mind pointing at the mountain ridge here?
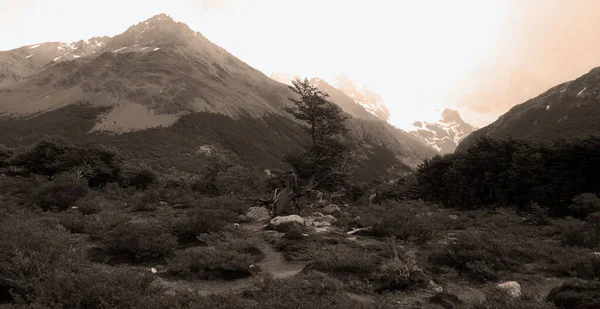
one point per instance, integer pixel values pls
(568, 110)
(147, 82)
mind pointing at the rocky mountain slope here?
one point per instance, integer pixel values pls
(170, 89)
(444, 135)
(568, 110)
(365, 96)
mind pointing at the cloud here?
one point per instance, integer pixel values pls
(542, 43)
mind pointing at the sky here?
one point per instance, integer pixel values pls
(480, 57)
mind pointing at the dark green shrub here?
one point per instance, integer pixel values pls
(138, 241)
(344, 260)
(578, 233)
(584, 204)
(60, 194)
(139, 176)
(576, 294)
(228, 254)
(31, 251)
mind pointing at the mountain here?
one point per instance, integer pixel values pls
(444, 135)
(17, 64)
(571, 109)
(342, 100)
(163, 93)
(365, 96)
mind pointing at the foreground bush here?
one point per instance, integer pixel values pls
(30, 251)
(344, 260)
(208, 215)
(138, 241)
(229, 254)
(578, 233)
(576, 295)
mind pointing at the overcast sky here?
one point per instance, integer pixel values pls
(478, 56)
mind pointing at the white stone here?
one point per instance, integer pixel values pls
(512, 288)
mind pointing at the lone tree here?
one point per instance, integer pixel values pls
(327, 159)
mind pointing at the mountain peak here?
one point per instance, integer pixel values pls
(159, 29)
(445, 134)
(450, 115)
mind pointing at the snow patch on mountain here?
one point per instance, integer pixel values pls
(445, 134)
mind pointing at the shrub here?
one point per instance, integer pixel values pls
(400, 273)
(228, 254)
(204, 218)
(138, 241)
(476, 256)
(585, 267)
(584, 204)
(576, 294)
(5, 154)
(94, 203)
(138, 176)
(31, 250)
(343, 260)
(96, 287)
(580, 233)
(407, 220)
(243, 182)
(60, 194)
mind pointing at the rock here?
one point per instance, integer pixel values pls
(282, 222)
(512, 288)
(435, 287)
(320, 221)
(453, 217)
(163, 203)
(331, 209)
(242, 219)
(596, 254)
(153, 270)
(258, 213)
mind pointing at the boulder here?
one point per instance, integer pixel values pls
(320, 220)
(258, 214)
(283, 222)
(453, 217)
(512, 288)
(331, 209)
(242, 219)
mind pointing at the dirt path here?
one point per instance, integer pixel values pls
(273, 264)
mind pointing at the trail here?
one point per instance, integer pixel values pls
(273, 264)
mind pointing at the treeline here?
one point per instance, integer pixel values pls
(515, 173)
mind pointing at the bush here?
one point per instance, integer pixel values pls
(60, 194)
(584, 204)
(5, 154)
(138, 176)
(580, 233)
(228, 254)
(138, 241)
(343, 260)
(30, 252)
(400, 274)
(209, 215)
(482, 256)
(408, 220)
(96, 287)
(585, 267)
(243, 182)
(576, 294)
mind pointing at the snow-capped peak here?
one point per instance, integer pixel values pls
(445, 134)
